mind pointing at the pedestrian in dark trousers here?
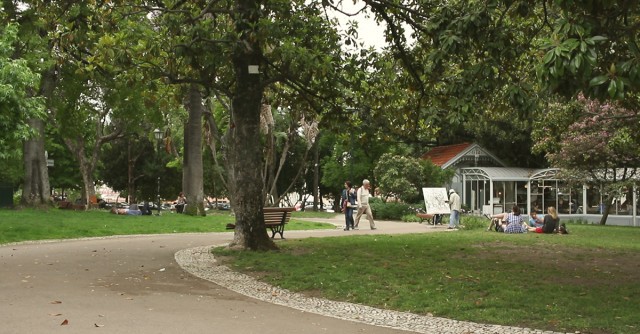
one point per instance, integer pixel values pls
(348, 202)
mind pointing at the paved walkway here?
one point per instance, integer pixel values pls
(134, 284)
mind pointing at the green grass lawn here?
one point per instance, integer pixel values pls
(586, 281)
(21, 225)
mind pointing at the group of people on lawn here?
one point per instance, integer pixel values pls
(512, 222)
(508, 222)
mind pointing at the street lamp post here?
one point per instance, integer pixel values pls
(353, 111)
(157, 133)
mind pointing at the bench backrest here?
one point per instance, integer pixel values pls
(274, 215)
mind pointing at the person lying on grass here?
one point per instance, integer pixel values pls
(133, 210)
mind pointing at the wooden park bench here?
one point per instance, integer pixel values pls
(424, 216)
(431, 219)
(274, 219)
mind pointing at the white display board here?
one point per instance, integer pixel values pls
(436, 200)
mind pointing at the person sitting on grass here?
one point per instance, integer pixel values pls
(180, 202)
(146, 209)
(536, 220)
(550, 224)
(514, 221)
(498, 222)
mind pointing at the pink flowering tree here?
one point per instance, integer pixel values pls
(600, 145)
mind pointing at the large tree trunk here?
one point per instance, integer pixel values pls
(192, 175)
(89, 185)
(36, 188)
(245, 154)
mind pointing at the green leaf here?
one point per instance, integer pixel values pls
(549, 57)
(558, 51)
(620, 84)
(599, 80)
(571, 44)
(598, 38)
(612, 88)
(583, 47)
(578, 61)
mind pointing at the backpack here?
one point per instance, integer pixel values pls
(563, 229)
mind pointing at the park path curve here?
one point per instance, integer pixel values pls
(134, 285)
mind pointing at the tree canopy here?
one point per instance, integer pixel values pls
(490, 71)
(17, 101)
(594, 142)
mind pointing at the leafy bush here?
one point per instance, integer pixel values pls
(411, 218)
(388, 211)
(473, 222)
(404, 176)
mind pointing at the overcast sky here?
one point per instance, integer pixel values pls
(369, 32)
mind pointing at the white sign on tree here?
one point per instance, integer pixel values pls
(436, 200)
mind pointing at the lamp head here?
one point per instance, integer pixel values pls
(157, 133)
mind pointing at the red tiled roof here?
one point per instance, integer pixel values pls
(442, 154)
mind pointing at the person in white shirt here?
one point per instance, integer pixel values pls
(363, 204)
(454, 202)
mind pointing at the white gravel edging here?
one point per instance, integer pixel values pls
(201, 263)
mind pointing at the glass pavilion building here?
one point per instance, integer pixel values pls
(495, 188)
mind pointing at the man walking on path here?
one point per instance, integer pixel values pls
(454, 202)
(363, 204)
